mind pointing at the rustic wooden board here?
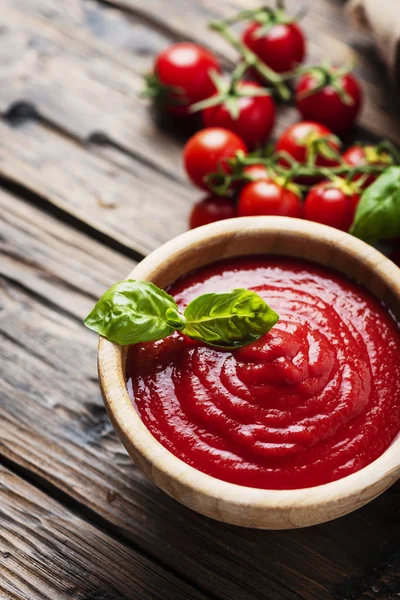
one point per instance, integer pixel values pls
(133, 204)
(61, 266)
(55, 426)
(79, 87)
(80, 65)
(49, 553)
(107, 29)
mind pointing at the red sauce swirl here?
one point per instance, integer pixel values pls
(315, 399)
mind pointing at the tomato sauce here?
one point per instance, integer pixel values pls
(314, 400)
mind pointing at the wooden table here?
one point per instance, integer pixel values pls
(89, 185)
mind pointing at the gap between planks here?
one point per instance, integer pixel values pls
(72, 504)
(93, 518)
(121, 198)
(49, 551)
(63, 216)
(51, 430)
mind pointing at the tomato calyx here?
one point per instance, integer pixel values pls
(220, 182)
(267, 17)
(373, 155)
(287, 184)
(348, 187)
(327, 76)
(251, 60)
(163, 96)
(316, 145)
(320, 145)
(385, 153)
(229, 92)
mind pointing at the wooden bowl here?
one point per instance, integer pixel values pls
(227, 502)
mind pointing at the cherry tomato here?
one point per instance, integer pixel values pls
(331, 204)
(210, 209)
(256, 172)
(208, 150)
(187, 67)
(282, 48)
(325, 96)
(366, 155)
(268, 198)
(255, 119)
(297, 140)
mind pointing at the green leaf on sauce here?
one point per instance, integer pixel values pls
(138, 311)
(378, 213)
(134, 311)
(230, 319)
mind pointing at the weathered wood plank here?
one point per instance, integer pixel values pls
(107, 29)
(55, 425)
(131, 203)
(54, 419)
(49, 553)
(52, 260)
(79, 87)
(329, 36)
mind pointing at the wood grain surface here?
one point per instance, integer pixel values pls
(86, 159)
(135, 205)
(48, 552)
(59, 432)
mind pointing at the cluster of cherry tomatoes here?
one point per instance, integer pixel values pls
(304, 175)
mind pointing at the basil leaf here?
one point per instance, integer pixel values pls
(378, 213)
(134, 311)
(230, 319)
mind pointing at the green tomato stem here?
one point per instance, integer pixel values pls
(252, 59)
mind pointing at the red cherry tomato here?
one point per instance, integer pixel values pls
(282, 48)
(329, 204)
(366, 155)
(256, 172)
(210, 209)
(208, 150)
(297, 140)
(255, 120)
(268, 198)
(327, 105)
(185, 66)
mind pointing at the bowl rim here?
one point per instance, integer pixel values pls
(174, 475)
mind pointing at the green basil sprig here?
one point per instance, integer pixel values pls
(378, 213)
(138, 311)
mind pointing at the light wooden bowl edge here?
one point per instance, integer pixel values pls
(249, 507)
